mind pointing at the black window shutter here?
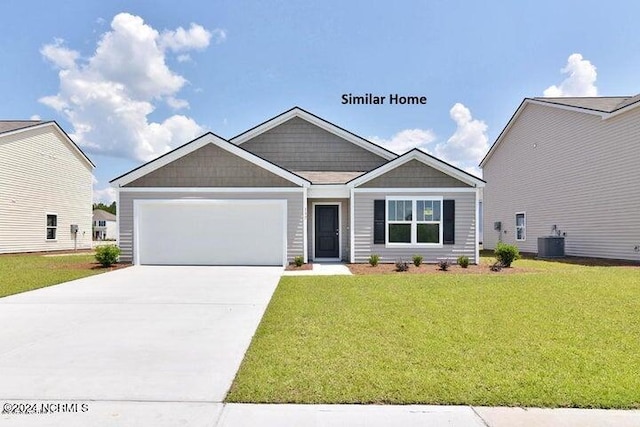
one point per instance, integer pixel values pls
(378, 221)
(448, 222)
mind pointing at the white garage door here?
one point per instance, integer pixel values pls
(210, 232)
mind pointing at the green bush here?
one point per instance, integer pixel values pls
(402, 265)
(417, 260)
(463, 261)
(506, 254)
(444, 265)
(374, 260)
(107, 255)
(298, 261)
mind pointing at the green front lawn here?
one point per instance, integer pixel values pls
(20, 273)
(555, 335)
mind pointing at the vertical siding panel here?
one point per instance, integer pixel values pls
(569, 169)
(39, 173)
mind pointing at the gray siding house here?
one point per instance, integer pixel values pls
(567, 166)
(295, 185)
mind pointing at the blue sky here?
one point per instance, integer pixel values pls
(129, 80)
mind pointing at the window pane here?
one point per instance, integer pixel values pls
(428, 233)
(519, 233)
(426, 211)
(399, 233)
(392, 210)
(520, 220)
(52, 220)
(408, 210)
(437, 209)
(51, 233)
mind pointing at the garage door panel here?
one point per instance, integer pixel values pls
(220, 232)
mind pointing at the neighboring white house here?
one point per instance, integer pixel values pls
(567, 166)
(104, 225)
(45, 189)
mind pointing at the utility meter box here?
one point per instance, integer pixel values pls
(497, 225)
(74, 228)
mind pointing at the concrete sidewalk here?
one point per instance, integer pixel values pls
(322, 269)
(237, 415)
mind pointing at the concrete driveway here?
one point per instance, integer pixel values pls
(140, 346)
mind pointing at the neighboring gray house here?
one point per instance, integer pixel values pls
(45, 189)
(104, 225)
(296, 185)
(571, 165)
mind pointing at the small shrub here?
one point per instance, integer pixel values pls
(298, 261)
(463, 261)
(374, 260)
(107, 255)
(417, 260)
(402, 265)
(506, 254)
(444, 265)
(496, 266)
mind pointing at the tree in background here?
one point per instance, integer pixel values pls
(109, 208)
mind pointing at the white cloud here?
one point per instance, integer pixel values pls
(580, 81)
(185, 57)
(176, 103)
(35, 117)
(59, 55)
(196, 37)
(406, 140)
(464, 149)
(106, 195)
(219, 35)
(109, 96)
(468, 144)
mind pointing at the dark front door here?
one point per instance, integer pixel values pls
(327, 231)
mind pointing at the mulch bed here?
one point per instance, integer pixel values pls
(89, 266)
(363, 269)
(292, 267)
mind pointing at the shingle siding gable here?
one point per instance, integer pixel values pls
(211, 166)
(298, 145)
(414, 174)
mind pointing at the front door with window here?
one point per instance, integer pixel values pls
(327, 231)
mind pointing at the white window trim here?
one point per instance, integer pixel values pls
(413, 222)
(47, 226)
(524, 226)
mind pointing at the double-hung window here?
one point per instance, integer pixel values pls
(414, 221)
(521, 226)
(52, 226)
(102, 223)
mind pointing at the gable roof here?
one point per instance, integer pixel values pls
(201, 141)
(102, 215)
(317, 121)
(12, 127)
(9, 125)
(329, 177)
(603, 106)
(421, 156)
